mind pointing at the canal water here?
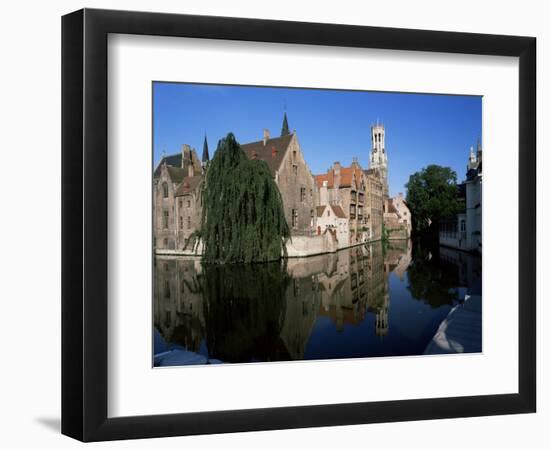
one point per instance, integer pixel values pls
(367, 301)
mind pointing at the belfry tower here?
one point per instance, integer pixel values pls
(378, 157)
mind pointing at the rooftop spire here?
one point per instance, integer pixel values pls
(284, 130)
(205, 154)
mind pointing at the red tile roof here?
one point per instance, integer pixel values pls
(188, 185)
(346, 177)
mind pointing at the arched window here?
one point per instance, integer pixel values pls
(165, 189)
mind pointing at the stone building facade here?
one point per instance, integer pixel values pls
(293, 177)
(331, 218)
(378, 157)
(353, 196)
(188, 200)
(463, 231)
(164, 206)
(177, 208)
(374, 203)
(358, 193)
(397, 217)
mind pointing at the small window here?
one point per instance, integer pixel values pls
(180, 203)
(294, 218)
(181, 223)
(295, 169)
(303, 194)
(165, 189)
(189, 203)
(165, 218)
(188, 222)
(165, 241)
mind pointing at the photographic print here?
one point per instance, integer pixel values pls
(310, 224)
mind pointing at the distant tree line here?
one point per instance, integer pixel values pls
(432, 195)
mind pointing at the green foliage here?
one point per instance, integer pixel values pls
(385, 234)
(243, 218)
(432, 196)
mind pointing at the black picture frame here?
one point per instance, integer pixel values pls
(84, 224)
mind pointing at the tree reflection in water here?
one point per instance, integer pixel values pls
(327, 306)
(437, 272)
(244, 310)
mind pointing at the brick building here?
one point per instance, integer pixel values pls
(359, 194)
(176, 204)
(397, 217)
(293, 177)
(374, 202)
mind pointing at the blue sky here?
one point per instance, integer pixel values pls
(332, 125)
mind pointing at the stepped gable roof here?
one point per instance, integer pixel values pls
(272, 152)
(188, 185)
(392, 208)
(346, 177)
(170, 160)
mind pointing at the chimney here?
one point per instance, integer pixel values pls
(186, 150)
(191, 170)
(323, 193)
(336, 173)
(266, 135)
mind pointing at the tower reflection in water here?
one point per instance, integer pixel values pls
(328, 306)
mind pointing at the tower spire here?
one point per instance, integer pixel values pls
(205, 154)
(378, 157)
(284, 130)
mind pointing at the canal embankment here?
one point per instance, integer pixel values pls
(460, 332)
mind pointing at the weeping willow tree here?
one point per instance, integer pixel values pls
(243, 218)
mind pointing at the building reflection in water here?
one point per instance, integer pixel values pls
(269, 312)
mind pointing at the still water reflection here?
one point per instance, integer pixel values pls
(359, 302)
